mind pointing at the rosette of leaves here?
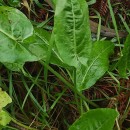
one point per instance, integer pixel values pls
(70, 45)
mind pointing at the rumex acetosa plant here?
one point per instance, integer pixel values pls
(69, 46)
(71, 39)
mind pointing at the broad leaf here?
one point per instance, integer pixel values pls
(38, 45)
(98, 119)
(4, 118)
(4, 99)
(71, 31)
(14, 28)
(124, 62)
(98, 64)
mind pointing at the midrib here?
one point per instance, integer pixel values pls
(93, 63)
(11, 37)
(74, 33)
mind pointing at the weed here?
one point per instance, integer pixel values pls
(55, 70)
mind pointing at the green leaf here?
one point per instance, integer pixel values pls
(4, 118)
(14, 28)
(38, 45)
(98, 119)
(71, 33)
(4, 99)
(97, 65)
(124, 62)
(14, 3)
